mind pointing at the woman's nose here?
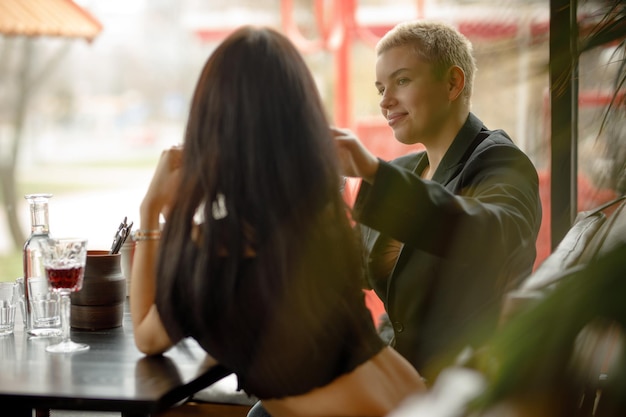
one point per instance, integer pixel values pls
(386, 101)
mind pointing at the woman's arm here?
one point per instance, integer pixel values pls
(150, 335)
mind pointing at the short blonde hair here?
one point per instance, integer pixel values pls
(437, 43)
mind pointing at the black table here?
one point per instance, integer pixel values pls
(111, 376)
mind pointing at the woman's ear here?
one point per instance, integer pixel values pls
(456, 82)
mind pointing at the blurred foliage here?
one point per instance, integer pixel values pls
(531, 357)
(610, 29)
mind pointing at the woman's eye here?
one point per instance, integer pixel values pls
(381, 91)
(403, 81)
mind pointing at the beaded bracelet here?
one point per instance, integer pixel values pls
(151, 234)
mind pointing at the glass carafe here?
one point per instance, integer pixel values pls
(33, 266)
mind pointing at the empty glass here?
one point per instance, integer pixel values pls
(9, 298)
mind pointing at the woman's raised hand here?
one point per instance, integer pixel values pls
(165, 182)
(355, 159)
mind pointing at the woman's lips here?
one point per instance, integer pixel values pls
(394, 118)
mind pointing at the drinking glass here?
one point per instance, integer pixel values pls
(64, 262)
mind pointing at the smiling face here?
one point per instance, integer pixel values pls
(416, 104)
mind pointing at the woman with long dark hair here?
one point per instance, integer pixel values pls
(258, 261)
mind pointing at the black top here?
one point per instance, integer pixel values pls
(318, 331)
(467, 236)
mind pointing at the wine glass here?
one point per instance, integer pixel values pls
(64, 262)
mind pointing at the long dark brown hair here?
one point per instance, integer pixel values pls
(260, 164)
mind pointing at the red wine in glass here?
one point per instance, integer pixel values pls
(70, 278)
(64, 261)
